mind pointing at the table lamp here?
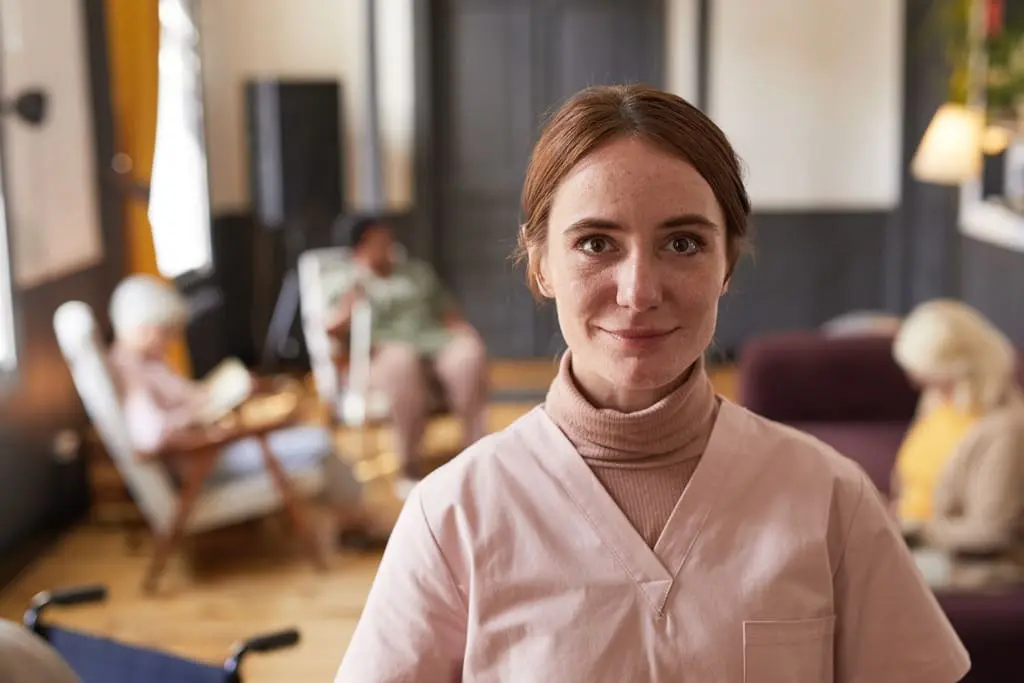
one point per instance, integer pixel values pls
(950, 152)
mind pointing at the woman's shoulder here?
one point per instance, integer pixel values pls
(1005, 421)
(789, 454)
(494, 452)
(468, 486)
(26, 657)
(1013, 410)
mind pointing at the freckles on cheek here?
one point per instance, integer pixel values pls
(698, 285)
(589, 288)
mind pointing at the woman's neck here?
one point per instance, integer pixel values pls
(676, 424)
(603, 394)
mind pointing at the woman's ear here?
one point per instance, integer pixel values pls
(725, 287)
(539, 266)
(542, 284)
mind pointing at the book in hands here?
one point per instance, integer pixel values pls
(226, 387)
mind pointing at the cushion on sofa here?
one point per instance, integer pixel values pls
(805, 376)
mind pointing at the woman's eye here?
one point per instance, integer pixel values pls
(684, 245)
(595, 245)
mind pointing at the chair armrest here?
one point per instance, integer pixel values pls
(78, 595)
(359, 358)
(201, 439)
(196, 441)
(265, 643)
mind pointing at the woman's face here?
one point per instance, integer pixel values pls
(636, 262)
(377, 248)
(152, 341)
(944, 387)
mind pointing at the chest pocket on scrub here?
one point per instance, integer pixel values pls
(788, 651)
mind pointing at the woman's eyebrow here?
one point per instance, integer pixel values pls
(682, 220)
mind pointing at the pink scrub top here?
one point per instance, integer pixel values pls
(780, 563)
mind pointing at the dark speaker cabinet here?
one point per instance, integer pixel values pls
(297, 179)
(234, 257)
(296, 158)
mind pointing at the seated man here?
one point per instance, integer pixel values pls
(159, 404)
(418, 338)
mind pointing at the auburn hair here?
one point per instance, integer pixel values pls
(595, 116)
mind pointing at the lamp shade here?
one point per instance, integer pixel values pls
(996, 139)
(950, 152)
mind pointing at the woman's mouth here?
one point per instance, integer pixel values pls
(639, 338)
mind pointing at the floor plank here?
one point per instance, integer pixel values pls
(245, 580)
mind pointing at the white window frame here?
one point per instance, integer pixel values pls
(8, 326)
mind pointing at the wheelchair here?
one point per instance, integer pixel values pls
(103, 660)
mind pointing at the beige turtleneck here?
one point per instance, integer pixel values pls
(643, 459)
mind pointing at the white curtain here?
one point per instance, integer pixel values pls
(179, 201)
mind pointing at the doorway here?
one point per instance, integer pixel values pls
(499, 67)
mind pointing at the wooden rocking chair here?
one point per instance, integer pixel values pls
(196, 505)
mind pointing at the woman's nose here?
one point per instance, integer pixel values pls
(639, 283)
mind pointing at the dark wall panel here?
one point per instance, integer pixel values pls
(992, 280)
(500, 68)
(805, 269)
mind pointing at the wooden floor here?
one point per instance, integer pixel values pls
(245, 580)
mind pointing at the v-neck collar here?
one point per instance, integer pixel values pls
(654, 570)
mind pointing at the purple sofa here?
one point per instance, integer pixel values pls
(849, 392)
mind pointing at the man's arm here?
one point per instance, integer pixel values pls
(340, 316)
(443, 301)
(452, 317)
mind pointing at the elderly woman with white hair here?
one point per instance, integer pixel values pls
(147, 315)
(959, 477)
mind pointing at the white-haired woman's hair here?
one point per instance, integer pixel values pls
(948, 341)
(145, 300)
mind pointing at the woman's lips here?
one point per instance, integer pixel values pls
(639, 337)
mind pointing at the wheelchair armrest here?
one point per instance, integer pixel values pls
(78, 595)
(267, 642)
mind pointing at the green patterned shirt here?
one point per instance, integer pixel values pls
(408, 305)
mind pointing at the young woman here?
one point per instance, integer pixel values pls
(637, 526)
(959, 477)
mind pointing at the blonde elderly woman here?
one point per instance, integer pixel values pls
(147, 314)
(959, 476)
(27, 658)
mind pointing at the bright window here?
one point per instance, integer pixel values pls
(179, 198)
(8, 350)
